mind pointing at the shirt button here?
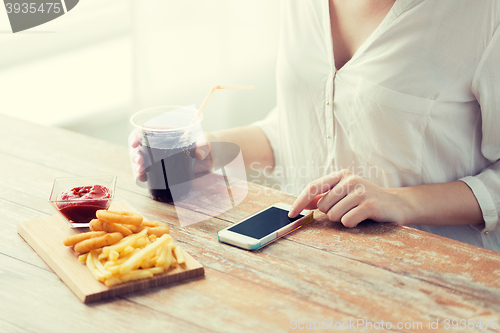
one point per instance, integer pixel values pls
(327, 103)
(486, 233)
(329, 136)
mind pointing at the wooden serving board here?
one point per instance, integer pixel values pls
(46, 235)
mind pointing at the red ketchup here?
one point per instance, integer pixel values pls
(80, 203)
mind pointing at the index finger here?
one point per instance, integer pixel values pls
(202, 147)
(135, 138)
(319, 186)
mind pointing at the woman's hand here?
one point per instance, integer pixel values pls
(350, 199)
(139, 158)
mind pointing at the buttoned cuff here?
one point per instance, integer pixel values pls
(486, 203)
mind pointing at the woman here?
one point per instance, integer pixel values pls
(387, 110)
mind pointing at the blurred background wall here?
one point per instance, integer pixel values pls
(75, 71)
(90, 69)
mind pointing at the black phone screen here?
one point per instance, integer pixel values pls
(264, 223)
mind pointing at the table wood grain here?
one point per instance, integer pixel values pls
(321, 273)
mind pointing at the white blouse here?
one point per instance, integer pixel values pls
(418, 103)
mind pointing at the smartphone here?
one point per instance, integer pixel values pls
(264, 227)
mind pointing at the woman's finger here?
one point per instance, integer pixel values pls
(345, 205)
(202, 152)
(355, 216)
(346, 185)
(314, 203)
(333, 196)
(202, 148)
(135, 138)
(319, 186)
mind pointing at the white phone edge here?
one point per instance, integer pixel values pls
(250, 243)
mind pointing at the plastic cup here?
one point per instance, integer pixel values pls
(167, 142)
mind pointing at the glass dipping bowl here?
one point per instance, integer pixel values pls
(78, 212)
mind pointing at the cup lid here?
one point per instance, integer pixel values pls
(166, 118)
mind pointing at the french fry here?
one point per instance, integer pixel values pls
(179, 256)
(128, 249)
(99, 265)
(83, 257)
(113, 255)
(124, 243)
(163, 256)
(95, 225)
(136, 275)
(93, 269)
(158, 231)
(134, 228)
(124, 258)
(113, 281)
(114, 269)
(152, 224)
(155, 270)
(170, 257)
(149, 251)
(141, 242)
(110, 216)
(113, 227)
(75, 239)
(157, 255)
(137, 258)
(108, 264)
(146, 263)
(98, 242)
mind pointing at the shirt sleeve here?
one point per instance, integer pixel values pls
(271, 127)
(485, 86)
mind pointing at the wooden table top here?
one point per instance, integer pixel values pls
(323, 274)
